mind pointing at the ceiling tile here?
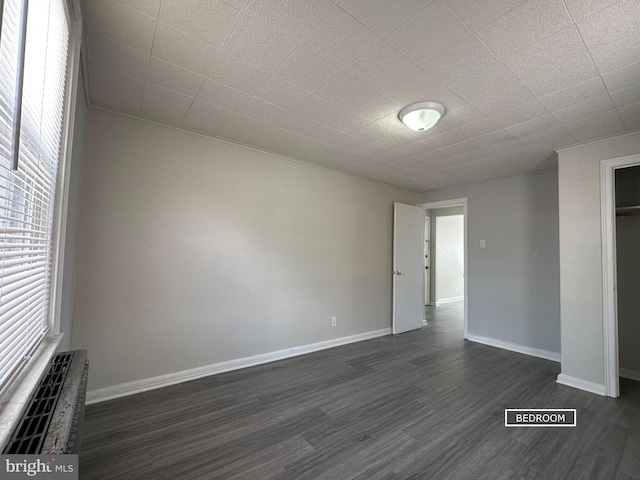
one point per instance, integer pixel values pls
(106, 54)
(171, 76)
(581, 9)
(307, 70)
(547, 147)
(574, 94)
(597, 126)
(622, 78)
(196, 17)
(371, 132)
(609, 33)
(519, 114)
(238, 4)
(477, 142)
(630, 115)
(120, 23)
(481, 127)
(358, 97)
(464, 59)
(535, 126)
(205, 117)
(237, 136)
(322, 81)
(277, 136)
(383, 16)
(237, 74)
(380, 66)
(158, 113)
(525, 26)
(327, 113)
(478, 13)
(148, 7)
(440, 140)
(221, 95)
(116, 91)
(391, 123)
(557, 62)
(183, 50)
(459, 117)
(166, 98)
(430, 143)
(269, 31)
(542, 140)
(245, 123)
(417, 85)
(340, 39)
(331, 136)
(294, 122)
(593, 106)
(626, 96)
(278, 91)
(261, 110)
(428, 33)
(505, 93)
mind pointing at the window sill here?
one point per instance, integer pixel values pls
(15, 399)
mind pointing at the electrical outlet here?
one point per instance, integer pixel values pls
(334, 321)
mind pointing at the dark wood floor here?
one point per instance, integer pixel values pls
(421, 405)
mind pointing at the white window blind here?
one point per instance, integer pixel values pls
(27, 195)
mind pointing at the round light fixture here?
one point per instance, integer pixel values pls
(421, 116)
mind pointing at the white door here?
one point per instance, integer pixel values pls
(408, 267)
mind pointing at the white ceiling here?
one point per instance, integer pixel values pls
(323, 81)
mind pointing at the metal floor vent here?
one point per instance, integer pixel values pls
(52, 422)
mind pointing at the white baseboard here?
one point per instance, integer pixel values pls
(514, 347)
(581, 384)
(630, 374)
(138, 386)
(449, 300)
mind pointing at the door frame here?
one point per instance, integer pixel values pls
(427, 262)
(609, 276)
(456, 202)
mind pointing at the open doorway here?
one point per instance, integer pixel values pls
(446, 256)
(620, 201)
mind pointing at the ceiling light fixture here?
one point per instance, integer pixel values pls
(421, 116)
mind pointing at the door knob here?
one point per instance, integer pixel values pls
(396, 272)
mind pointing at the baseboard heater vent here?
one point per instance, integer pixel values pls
(52, 422)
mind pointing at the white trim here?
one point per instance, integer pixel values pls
(453, 203)
(609, 276)
(138, 386)
(593, 142)
(64, 172)
(514, 347)
(630, 374)
(450, 300)
(581, 384)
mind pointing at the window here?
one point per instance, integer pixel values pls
(32, 108)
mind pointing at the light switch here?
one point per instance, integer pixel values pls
(483, 244)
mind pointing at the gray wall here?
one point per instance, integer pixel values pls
(433, 268)
(628, 270)
(73, 205)
(513, 282)
(581, 254)
(193, 252)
